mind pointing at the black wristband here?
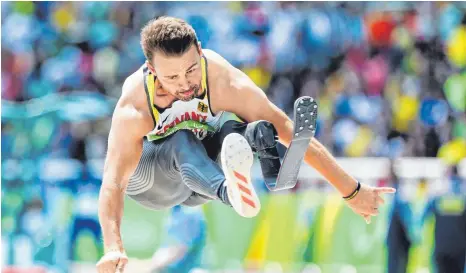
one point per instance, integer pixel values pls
(354, 193)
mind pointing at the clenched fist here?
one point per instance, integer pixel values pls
(112, 262)
(367, 201)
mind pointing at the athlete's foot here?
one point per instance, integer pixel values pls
(237, 159)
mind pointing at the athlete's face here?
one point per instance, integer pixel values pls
(181, 76)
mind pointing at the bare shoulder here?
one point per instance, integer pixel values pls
(235, 92)
(219, 66)
(225, 72)
(132, 86)
(225, 80)
(214, 57)
(132, 111)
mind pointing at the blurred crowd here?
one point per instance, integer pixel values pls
(390, 79)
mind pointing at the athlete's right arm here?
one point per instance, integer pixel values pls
(124, 151)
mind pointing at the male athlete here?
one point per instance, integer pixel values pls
(171, 125)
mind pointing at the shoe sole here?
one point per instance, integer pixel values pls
(237, 159)
(305, 121)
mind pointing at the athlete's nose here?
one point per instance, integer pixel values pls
(184, 84)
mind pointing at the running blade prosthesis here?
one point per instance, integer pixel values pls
(305, 119)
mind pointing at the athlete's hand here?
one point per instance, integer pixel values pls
(112, 262)
(366, 203)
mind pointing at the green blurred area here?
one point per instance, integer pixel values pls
(292, 229)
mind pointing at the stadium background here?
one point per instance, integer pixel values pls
(389, 77)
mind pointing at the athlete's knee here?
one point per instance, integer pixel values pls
(261, 135)
(204, 178)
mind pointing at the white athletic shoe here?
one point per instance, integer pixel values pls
(237, 159)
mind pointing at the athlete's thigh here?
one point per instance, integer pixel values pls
(156, 183)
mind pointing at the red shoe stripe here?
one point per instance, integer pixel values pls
(240, 177)
(248, 201)
(244, 189)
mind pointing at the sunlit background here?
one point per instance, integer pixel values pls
(390, 81)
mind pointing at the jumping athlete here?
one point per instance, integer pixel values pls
(184, 131)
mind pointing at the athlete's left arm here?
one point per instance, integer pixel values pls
(247, 100)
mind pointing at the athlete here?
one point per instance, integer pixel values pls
(449, 212)
(183, 111)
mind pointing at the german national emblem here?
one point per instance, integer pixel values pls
(202, 107)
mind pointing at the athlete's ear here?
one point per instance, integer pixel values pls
(151, 68)
(199, 48)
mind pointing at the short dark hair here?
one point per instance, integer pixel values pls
(170, 35)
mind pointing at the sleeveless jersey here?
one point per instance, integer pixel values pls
(195, 115)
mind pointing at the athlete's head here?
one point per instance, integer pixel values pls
(173, 54)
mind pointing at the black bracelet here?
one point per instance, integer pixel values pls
(354, 193)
